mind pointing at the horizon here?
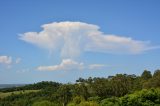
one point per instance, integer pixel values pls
(73, 82)
(62, 41)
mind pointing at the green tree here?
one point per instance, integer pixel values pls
(154, 81)
(64, 94)
(142, 98)
(121, 84)
(156, 73)
(113, 101)
(101, 87)
(146, 75)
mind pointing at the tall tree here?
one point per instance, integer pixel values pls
(156, 73)
(64, 94)
(146, 75)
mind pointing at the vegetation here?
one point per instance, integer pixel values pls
(118, 90)
(5, 94)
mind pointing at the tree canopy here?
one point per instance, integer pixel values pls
(118, 90)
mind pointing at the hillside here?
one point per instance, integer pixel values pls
(118, 90)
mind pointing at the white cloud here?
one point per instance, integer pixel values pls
(73, 38)
(96, 66)
(8, 61)
(69, 64)
(18, 60)
(66, 64)
(5, 60)
(23, 70)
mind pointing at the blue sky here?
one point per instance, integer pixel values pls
(103, 38)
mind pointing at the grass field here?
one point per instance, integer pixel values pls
(2, 95)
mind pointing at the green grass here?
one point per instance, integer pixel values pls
(3, 95)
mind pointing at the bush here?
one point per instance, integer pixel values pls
(86, 103)
(95, 99)
(145, 97)
(114, 101)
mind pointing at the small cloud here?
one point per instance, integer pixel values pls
(69, 64)
(18, 60)
(23, 70)
(96, 66)
(66, 64)
(7, 60)
(73, 38)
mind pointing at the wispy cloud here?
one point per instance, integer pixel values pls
(18, 60)
(23, 70)
(96, 66)
(69, 64)
(74, 38)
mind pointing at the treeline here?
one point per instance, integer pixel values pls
(118, 90)
(35, 86)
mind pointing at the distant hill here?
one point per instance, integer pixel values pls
(10, 85)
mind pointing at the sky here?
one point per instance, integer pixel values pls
(62, 40)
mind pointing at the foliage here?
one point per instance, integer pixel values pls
(3, 95)
(144, 97)
(118, 90)
(113, 101)
(44, 103)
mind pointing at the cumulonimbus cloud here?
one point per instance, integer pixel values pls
(73, 38)
(69, 64)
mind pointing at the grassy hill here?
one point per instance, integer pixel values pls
(3, 95)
